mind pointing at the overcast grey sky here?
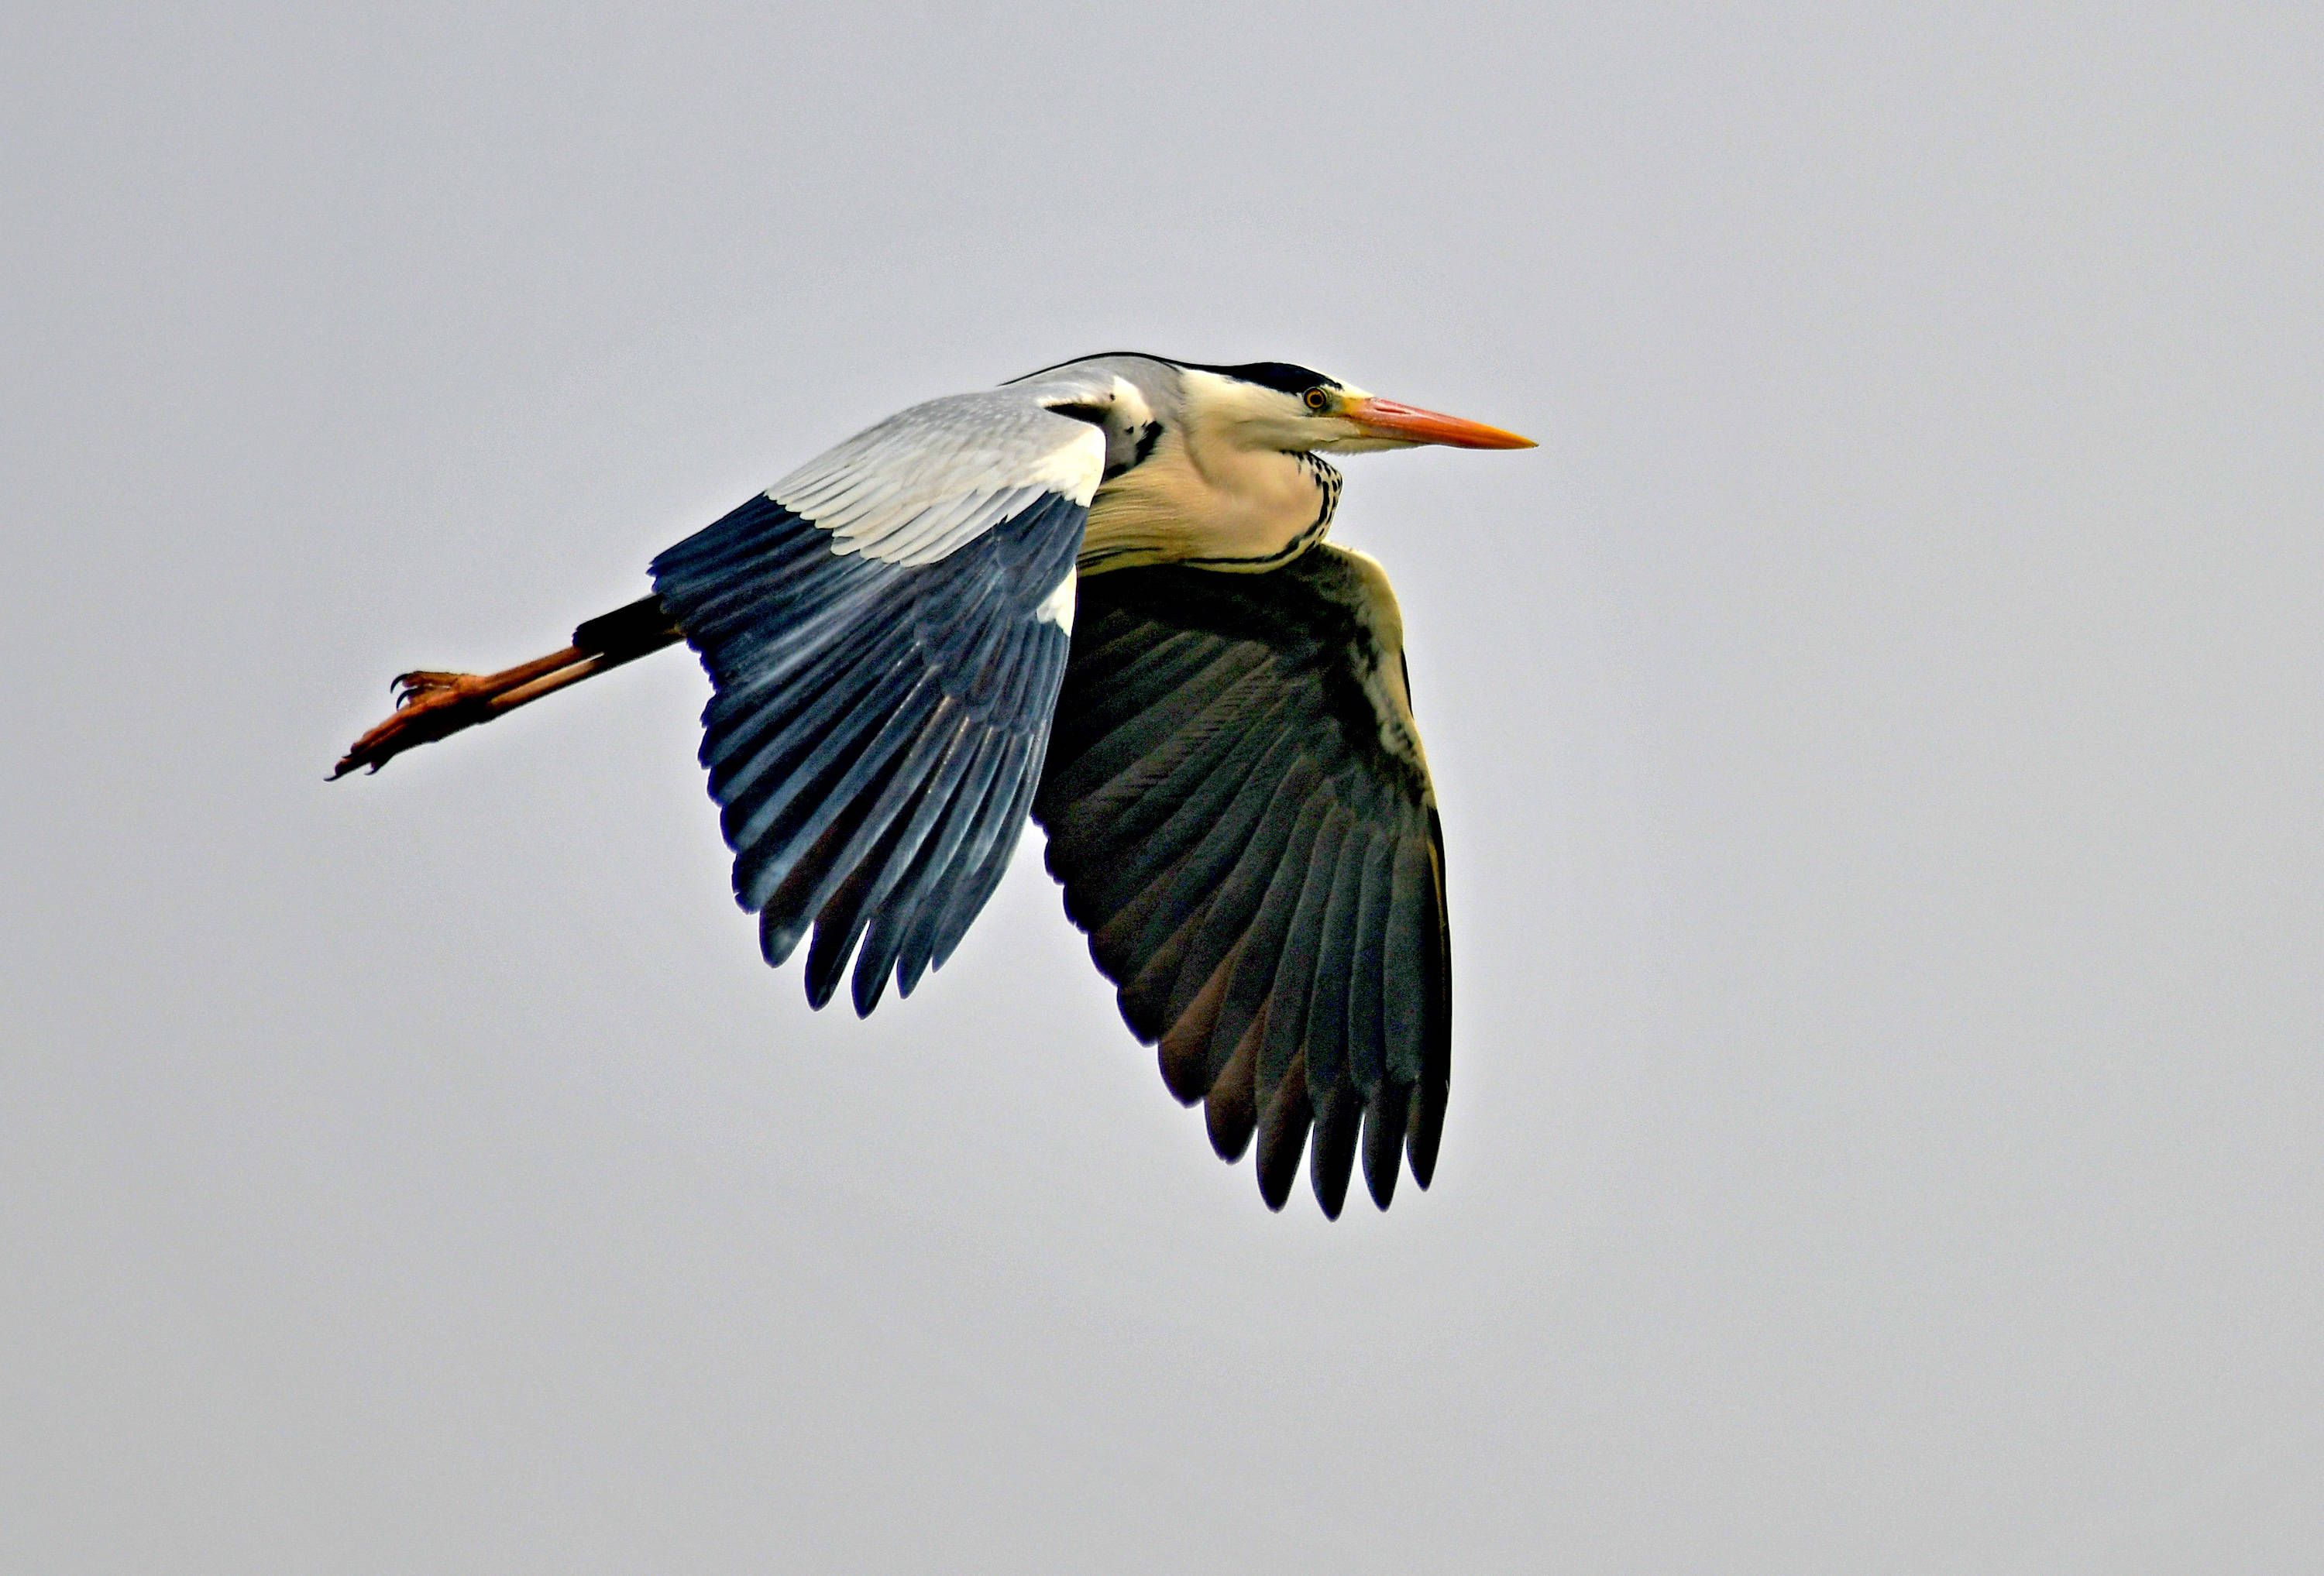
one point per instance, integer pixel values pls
(1879, 735)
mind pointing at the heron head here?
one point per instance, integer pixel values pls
(1275, 405)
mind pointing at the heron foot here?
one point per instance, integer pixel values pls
(429, 705)
(423, 682)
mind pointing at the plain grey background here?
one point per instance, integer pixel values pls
(1878, 729)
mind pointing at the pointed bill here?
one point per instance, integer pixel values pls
(1410, 424)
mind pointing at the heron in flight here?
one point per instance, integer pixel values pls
(1099, 594)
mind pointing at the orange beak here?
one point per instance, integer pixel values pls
(1387, 418)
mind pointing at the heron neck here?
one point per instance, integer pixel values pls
(1248, 510)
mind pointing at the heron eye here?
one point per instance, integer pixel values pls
(1318, 400)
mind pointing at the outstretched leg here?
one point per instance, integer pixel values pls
(430, 706)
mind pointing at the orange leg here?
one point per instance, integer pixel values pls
(430, 706)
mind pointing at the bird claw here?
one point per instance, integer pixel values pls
(432, 704)
(429, 705)
(425, 685)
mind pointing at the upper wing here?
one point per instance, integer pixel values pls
(884, 630)
(1237, 802)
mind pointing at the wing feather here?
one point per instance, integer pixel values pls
(1291, 990)
(1162, 821)
(1231, 1110)
(1178, 693)
(884, 932)
(1366, 1057)
(1241, 853)
(1335, 962)
(1251, 992)
(1332, 1152)
(881, 634)
(915, 945)
(1236, 805)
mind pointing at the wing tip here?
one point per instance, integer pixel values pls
(1332, 1152)
(1425, 1132)
(1283, 1134)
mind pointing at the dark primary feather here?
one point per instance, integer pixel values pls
(877, 729)
(1259, 867)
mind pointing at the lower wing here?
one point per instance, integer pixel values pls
(1238, 806)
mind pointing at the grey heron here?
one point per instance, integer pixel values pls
(1100, 595)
